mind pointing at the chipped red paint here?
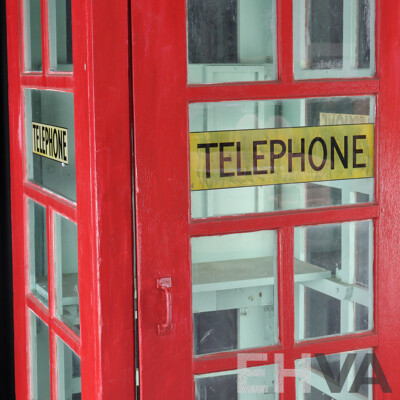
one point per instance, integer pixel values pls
(103, 210)
(161, 99)
(103, 93)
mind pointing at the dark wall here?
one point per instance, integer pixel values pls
(6, 322)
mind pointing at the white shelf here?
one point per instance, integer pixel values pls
(70, 291)
(245, 273)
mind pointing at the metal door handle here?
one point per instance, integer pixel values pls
(165, 285)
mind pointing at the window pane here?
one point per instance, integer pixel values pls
(334, 38)
(340, 299)
(38, 282)
(60, 35)
(66, 263)
(234, 291)
(251, 193)
(251, 383)
(325, 380)
(50, 140)
(68, 373)
(40, 359)
(231, 40)
(33, 35)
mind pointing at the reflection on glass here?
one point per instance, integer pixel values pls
(243, 384)
(40, 359)
(33, 35)
(340, 299)
(68, 373)
(66, 277)
(231, 40)
(327, 384)
(234, 291)
(60, 35)
(38, 282)
(54, 109)
(334, 38)
(252, 115)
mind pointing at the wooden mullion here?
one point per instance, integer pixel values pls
(285, 90)
(50, 260)
(20, 27)
(53, 365)
(59, 204)
(286, 305)
(67, 335)
(51, 293)
(286, 286)
(45, 38)
(38, 308)
(285, 41)
(229, 360)
(254, 222)
(337, 344)
(59, 81)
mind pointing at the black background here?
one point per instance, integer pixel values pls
(6, 321)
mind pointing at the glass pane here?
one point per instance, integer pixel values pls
(60, 35)
(244, 384)
(38, 282)
(327, 384)
(32, 35)
(68, 373)
(334, 38)
(270, 119)
(66, 263)
(40, 359)
(338, 299)
(231, 40)
(50, 140)
(234, 291)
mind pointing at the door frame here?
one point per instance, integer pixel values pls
(103, 210)
(162, 194)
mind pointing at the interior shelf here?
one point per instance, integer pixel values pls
(250, 272)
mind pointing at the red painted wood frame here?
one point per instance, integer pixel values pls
(162, 192)
(103, 211)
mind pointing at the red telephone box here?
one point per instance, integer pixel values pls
(204, 199)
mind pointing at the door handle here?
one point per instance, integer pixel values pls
(165, 285)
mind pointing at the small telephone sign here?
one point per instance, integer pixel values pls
(50, 141)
